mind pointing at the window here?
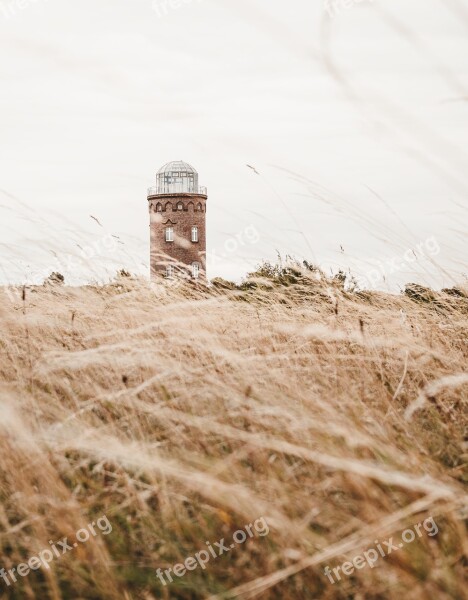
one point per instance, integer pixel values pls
(199, 207)
(169, 271)
(158, 208)
(180, 206)
(194, 234)
(195, 270)
(169, 234)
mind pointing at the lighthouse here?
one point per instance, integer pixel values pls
(177, 207)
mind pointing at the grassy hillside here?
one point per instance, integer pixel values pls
(185, 414)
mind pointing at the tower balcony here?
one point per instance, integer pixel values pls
(176, 188)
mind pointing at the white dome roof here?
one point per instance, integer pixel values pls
(177, 166)
(177, 177)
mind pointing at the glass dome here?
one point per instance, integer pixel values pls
(177, 177)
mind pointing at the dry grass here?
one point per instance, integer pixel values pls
(184, 414)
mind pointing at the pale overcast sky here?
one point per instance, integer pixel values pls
(355, 117)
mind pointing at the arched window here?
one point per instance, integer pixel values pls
(169, 234)
(158, 207)
(169, 270)
(199, 207)
(194, 234)
(195, 270)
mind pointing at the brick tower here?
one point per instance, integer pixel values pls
(177, 207)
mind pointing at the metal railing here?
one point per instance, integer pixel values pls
(174, 188)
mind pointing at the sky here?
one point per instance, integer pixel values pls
(354, 115)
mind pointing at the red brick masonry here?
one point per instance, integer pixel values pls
(165, 212)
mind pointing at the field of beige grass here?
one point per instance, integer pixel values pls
(185, 414)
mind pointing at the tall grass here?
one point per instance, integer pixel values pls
(184, 413)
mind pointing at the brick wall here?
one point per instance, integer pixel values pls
(164, 212)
